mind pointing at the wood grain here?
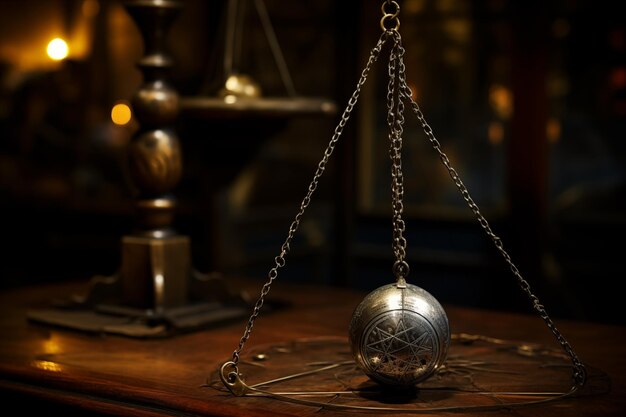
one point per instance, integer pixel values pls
(43, 368)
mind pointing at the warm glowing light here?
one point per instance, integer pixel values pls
(51, 346)
(57, 49)
(501, 100)
(121, 114)
(232, 83)
(553, 130)
(230, 99)
(46, 366)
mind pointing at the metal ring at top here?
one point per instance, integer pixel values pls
(390, 20)
(394, 4)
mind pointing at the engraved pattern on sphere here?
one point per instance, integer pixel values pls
(399, 345)
(399, 336)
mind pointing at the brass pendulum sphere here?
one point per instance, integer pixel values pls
(399, 334)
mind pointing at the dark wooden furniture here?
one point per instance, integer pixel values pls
(45, 369)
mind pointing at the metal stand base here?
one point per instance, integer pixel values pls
(155, 294)
(95, 313)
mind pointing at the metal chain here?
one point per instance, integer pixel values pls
(579, 368)
(398, 88)
(390, 21)
(321, 167)
(395, 120)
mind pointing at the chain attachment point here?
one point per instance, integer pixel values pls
(401, 270)
(390, 21)
(231, 378)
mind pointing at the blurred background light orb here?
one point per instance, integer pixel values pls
(121, 114)
(57, 49)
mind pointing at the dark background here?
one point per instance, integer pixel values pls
(527, 98)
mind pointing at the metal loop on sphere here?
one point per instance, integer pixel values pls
(401, 269)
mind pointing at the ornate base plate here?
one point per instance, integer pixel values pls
(479, 373)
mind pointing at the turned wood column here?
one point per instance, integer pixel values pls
(156, 261)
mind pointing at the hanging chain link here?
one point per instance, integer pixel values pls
(321, 167)
(391, 11)
(395, 120)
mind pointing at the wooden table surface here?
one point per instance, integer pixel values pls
(43, 368)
